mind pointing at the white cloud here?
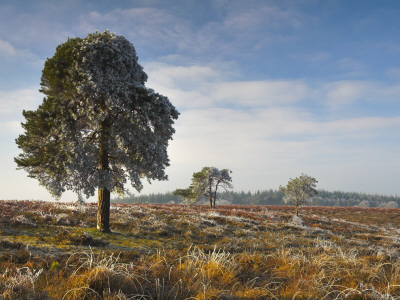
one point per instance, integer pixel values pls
(355, 126)
(259, 93)
(275, 136)
(182, 77)
(205, 90)
(33, 29)
(12, 54)
(197, 86)
(204, 86)
(6, 48)
(145, 26)
(11, 127)
(265, 148)
(267, 16)
(342, 93)
(13, 102)
(236, 27)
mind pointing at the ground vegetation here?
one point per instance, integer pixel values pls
(53, 251)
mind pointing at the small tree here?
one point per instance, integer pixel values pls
(205, 184)
(99, 125)
(299, 190)
(188, 195)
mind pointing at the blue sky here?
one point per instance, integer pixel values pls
(268, 89)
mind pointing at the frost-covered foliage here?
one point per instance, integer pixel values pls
(19, 284)
(205, 184)
(96, 106)
(297, 221)
(299, 190)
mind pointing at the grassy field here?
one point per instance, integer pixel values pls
(53, 251)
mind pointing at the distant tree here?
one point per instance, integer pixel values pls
(150, 198)
(364, 203)
(98, 125)
(390, 204)
(299, 190)
(206, 183)
(188, 195)
(80, 199)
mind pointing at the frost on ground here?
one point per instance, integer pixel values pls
(179, 252)
(297, 221)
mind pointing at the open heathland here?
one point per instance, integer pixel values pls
(53, 251)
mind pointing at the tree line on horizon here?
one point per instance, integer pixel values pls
(275, 197)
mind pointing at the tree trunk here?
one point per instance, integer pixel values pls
(297, 210)
(210, 195)
(103, 200)
(215, 194)
(103, 210)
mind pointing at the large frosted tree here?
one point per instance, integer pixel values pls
(99, 126)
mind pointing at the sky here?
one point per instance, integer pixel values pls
(269, 89)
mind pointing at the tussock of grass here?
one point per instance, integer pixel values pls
(19, 284)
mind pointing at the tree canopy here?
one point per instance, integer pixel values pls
(299, 190)
(205, 184)
(99, 126)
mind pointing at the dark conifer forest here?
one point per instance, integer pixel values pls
(274, 197)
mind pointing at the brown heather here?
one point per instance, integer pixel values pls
(53, 251)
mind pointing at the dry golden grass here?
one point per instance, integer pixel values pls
(53, 251)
